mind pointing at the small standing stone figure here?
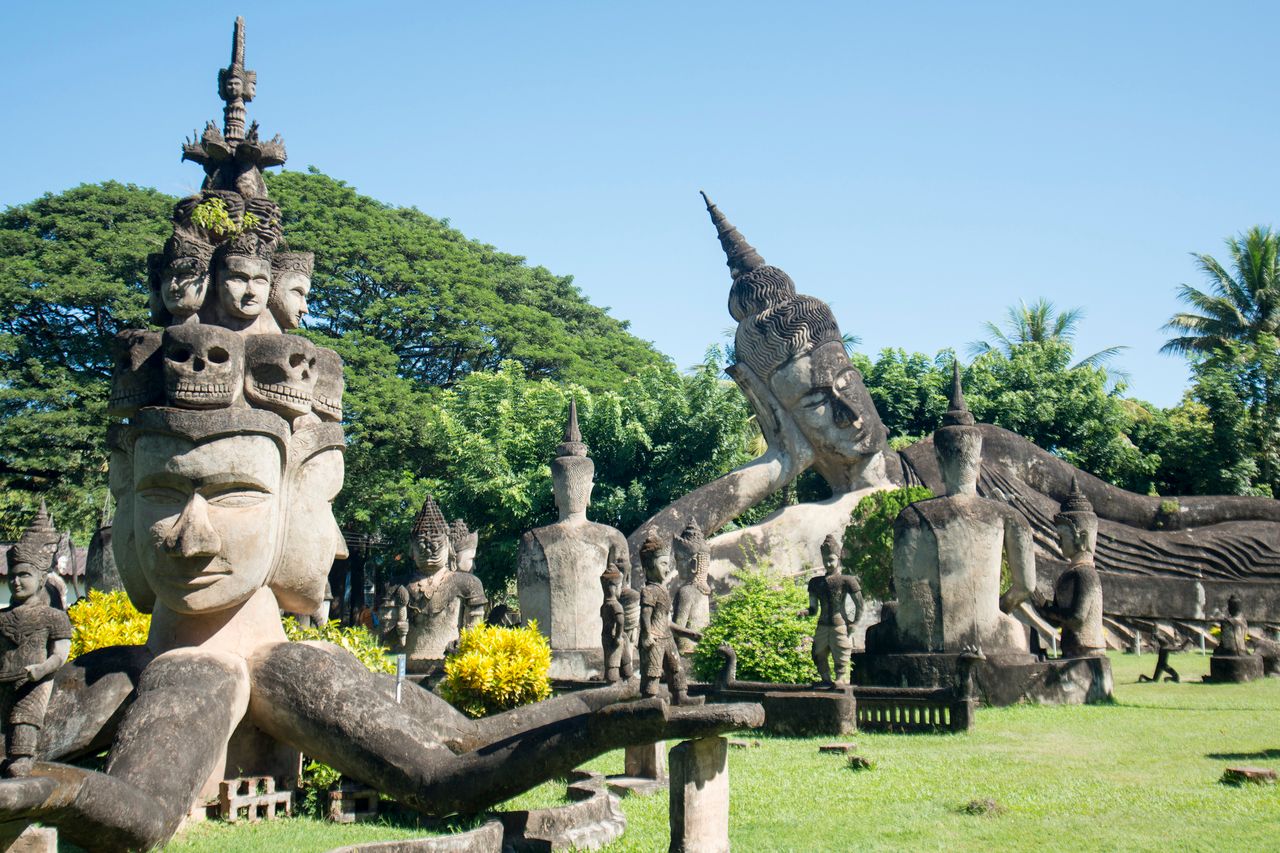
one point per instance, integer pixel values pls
(1077, 596)
(1235, 629)
(659, 658)
(613, 634)
(35, 640)
(693, 598)
(630, 599)
(829, 597)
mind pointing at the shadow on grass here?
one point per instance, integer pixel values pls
(1243, 756)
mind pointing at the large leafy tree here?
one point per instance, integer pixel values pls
(72, 274)
(1230, 335)
(444, 304)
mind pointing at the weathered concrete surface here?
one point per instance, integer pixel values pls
(699, 786)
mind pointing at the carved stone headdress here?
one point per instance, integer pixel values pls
(775, 324)
(653, 546)
(692, 543)
(1076, 509)
(429, 522)
(571, 462)
(832, 544)
(37, 545)
(958, 423)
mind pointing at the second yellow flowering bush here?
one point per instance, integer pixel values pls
(496, 669)
(103, 619)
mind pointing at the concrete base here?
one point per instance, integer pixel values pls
(34, 839)
(645, 770)
(819, 712)
(699, 812)
(1233, 668)
(1000, 679)
(577, 664)
(590, 822)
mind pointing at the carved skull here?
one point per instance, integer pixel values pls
(281, 374)
(202, 366)
(135, 381)
(327, 399)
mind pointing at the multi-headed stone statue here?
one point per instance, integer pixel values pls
(1077, 595)
(224, 474)
(35, 640)
(693, 596)
(614, 640)
(437, 603)
(659, 657)
(830, 595)
(558, 567)
(947, 553)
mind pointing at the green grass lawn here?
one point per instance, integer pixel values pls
(1140, 774)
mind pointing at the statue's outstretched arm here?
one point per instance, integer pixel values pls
(725, 498)
(167, 746)
(90, 696)
(1020, 551)
(322, 701)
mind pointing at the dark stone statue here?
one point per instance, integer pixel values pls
(829, 597)
(1232, 660)
(613, 633)
(1077, 599)
(35, 640)
(659, 657)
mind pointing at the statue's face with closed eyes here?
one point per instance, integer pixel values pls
(205, 517)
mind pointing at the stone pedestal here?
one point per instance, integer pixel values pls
(809, 713)
(1001, 679)
(699, 790)
(645, 770)
(1235, 667)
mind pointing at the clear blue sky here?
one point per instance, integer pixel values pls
(919, 166)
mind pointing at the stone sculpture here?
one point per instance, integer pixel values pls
(1077, 599)
(1232, 660)
(659, 657)
(290, 284)
(829, 597)
(558, 566)
(224, 517)
(947, 553)
(693, 597)
(616, 644)
(437, 602)
(462, 546)
(814, 412)
(35, 640)
(1154, 563)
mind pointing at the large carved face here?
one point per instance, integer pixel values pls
(183, 286)
(205, 517)
(24, 581)
(312, 538)
(244, 283)
(288, 300)
(430, 553)
(830, 405)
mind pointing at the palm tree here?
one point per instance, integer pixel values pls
(1236, 309)
(1039, 322)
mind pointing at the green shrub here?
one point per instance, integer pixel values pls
(760, 619)
(317, 781)
(868, 540)
(358, 640)
(496, 669)
(103, 619)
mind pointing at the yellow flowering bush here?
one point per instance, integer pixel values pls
(103, 619)
(496, 669)
(358, 640)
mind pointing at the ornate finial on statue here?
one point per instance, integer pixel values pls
(37, 544)
(1076, 501)
(236, 86)
(430, 520)
(572, 445)
(741, 256)
(958, 413)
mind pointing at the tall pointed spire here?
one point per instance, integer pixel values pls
(38, 543)
(958, 413)
(236, 86)
(430, 520)
(741, 256)
(1076, 500)
(572, 445)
